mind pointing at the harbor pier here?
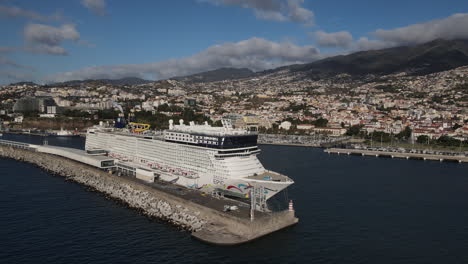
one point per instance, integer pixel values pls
(401, 155)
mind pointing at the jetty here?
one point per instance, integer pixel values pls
(401, 155)
(201, 214)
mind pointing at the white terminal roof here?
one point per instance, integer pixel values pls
(74, 154)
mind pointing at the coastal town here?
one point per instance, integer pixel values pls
(418, 108)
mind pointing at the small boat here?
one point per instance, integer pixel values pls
(64, 133)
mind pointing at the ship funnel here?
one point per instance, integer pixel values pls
(171, 124)
(181, 122)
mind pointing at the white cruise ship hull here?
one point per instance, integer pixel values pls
(234, 171)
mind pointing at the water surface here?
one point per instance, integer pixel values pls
(352, 209)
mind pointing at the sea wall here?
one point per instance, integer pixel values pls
(151, 202)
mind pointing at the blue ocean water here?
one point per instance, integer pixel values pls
(352, 209)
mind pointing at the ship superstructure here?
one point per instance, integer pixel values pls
(195, 156)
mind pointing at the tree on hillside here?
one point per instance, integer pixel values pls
(379, 136)
(354, 130)
(321, 122)
(423, 139)
(456, 126)
(405, 134)
(448, 141)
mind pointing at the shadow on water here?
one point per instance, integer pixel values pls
(71, 142)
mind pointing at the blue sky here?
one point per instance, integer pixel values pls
(52, 40)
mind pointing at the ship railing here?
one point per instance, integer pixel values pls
(213, 133)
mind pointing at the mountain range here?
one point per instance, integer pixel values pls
(435, 56)
(121, 81)
(217, 75)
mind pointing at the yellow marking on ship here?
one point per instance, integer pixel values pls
(139, 127)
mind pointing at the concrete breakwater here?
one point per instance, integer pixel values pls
(209, 224)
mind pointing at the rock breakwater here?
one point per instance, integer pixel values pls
(151, 202)
(204, 221)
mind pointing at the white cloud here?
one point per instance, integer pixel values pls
(270, 15)
(12, 12)
(341, 39)
(8, 65)
(255, 53)
(4, 61)
(365, 43)
(11, 75)
(8, 49)
(452, 27)
(47, 39)
(276, 10)
(298, 13)
(46, 49)
(96, 6)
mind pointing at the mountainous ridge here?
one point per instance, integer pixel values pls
(217, 75)
(24, 83)
(121, 81)
(435, 56)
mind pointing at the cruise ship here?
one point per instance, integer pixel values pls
(210, 159)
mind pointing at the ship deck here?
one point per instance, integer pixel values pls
(270, 176)
(205, 199)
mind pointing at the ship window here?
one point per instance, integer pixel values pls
(239, 141)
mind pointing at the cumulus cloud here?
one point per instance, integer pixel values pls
(96, 6)
(270, 15)
(11, 66)
(452, 27)
(4, 61)
(8, 49)
(255, 53)
(276, 10)
(341, 39)
(11, 71)
(8, 76)
(365, 43)
(46, 49)
(12, 12)
(298, 13)
(47, 39)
